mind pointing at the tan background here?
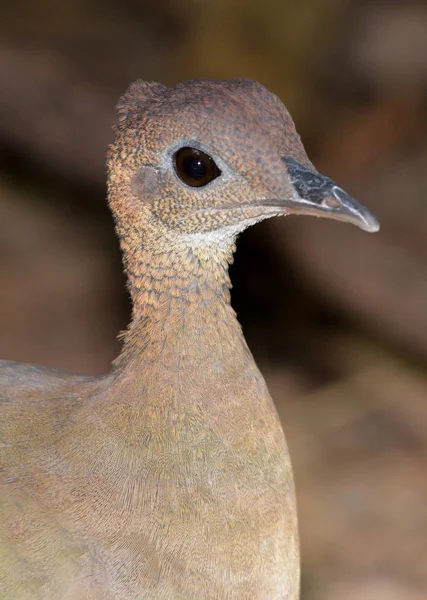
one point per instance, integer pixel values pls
(336, 318)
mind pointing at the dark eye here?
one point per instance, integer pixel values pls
(194, 167)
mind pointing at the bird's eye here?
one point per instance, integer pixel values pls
(194, 167)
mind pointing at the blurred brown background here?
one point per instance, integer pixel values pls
(336, 318)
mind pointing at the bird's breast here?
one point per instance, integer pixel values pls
(190, 480)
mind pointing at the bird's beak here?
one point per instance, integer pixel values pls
(318, 195)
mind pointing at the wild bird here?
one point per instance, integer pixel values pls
(168, 478)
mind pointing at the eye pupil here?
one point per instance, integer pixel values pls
(194, 167)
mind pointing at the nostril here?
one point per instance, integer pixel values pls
(331, 202)
(339, 193)
(336, 199)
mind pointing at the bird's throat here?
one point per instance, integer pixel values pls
(181, 307)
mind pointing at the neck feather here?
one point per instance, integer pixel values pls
(180, 292)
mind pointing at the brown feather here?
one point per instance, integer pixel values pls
(168, 478)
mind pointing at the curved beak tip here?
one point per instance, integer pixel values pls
(350, 210)
(320, 196)
(371, 224)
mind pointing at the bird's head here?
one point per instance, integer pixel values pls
(205, 159)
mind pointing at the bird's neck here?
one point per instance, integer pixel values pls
(181, 304)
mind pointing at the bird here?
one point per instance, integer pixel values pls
(169, 477)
